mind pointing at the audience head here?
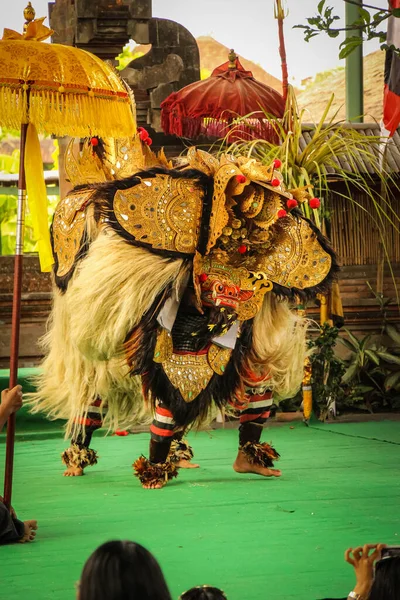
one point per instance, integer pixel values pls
(203, 592)
(386, 585)
(122, 571)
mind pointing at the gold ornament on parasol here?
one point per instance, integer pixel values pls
(59, 90)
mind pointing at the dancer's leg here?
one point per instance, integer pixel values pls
(253, 456)
(156, 471)
(79, 455)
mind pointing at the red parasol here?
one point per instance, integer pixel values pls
(212, 107)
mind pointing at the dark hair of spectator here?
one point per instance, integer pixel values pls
(386, 584)
(122, 571)
(203, 592)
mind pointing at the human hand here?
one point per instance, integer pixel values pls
(363, 563)
(11, 400)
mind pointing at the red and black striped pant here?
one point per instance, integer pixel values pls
(253, 414)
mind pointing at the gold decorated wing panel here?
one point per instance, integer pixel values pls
(163, 212)
(295, 257)
(68, 228)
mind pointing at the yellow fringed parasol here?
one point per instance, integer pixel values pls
(59, 90)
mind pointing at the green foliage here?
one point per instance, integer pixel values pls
(327, 373)
(374, 370)
(8, 210)
(127, 55)
(8, 224)
(4, 133)
(9, 163)
(370, 24)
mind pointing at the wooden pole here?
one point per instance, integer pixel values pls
(280, 15)
(380, 267)
(16, 316)
(354, 69)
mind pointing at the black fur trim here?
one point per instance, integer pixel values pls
(79, 456)
(153, 474)
(180, 450)
(261, 455)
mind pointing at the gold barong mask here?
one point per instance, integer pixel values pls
(251, 244)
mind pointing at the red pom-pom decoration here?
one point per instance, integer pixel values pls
(292, 203)
(282, 213)
(275, 182)
(315, 203)
(240, 178)
(94, 141)
(277, 163)
(121, 432)
(148, 141)
(203, 277)
(242, 249)
(143, 135)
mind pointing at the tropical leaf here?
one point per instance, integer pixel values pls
(392, 380)
(347, 344)
(363, 389)
(393, 333)
(352, 339)
(390, 358)
(364, 341)
(373, 356)
(350, 372)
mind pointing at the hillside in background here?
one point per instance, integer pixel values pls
(318, 92)
(213, 54)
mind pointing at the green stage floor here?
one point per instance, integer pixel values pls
(259, 539)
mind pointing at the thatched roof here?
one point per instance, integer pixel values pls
(368, 129)
(317, 94)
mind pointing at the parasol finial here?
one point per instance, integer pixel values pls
(29, 15)
(232, 57)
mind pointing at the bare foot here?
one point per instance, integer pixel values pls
(152, 486)
(30, 528)
(73, 472)
(186, 464)
(242, 465)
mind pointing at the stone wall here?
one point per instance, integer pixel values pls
(104, 27)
